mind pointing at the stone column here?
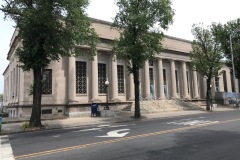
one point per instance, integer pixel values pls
(160, 78)
(228, 78)
(204, 86)
(237, 85)
(195, 85)
(72, 80)
(173, 77)
(114, 79)
(146, 80)
(213, 88)
(185, 83)
(94, 79)
(131, 87)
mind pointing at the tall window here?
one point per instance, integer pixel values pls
(120, 73)
(177, 86)
(47, 81)
(187, 81)
(164, 77)
(165, 82)
(225, 81)
(216, 83)
(11, 86)
(232, 82)
(150, 63)
(151, 81)
(81, 77)
(238, 85)
(102, 74)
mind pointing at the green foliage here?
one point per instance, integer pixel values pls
(30, 90)
(25, 126)
(224, 30)
(48, 31)
(140, 24)
(1, 97)
(140, 39)
(206, 54)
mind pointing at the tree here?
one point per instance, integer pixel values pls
(229, 40)
(49, 30)
(206, 55)
(233, 28)
(139, 39)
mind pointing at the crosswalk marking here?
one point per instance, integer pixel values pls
(6, 152)
(192, 121)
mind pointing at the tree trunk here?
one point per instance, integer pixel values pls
(137, 113)
(35, 120)
(208, 95)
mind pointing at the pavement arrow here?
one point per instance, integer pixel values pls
(116, 134)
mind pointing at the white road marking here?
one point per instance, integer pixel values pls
(90, 129)
(6, 152)
(56, 136)
(192, 121)
(116, 134)
(117, 126)
(100, 127)
(104, 125)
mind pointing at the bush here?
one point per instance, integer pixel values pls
(25, 125)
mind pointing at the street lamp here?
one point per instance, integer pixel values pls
(106, 83)
(233, 68)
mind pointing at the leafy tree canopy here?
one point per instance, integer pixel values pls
(225, 30)
(139, 38)
(206, 54)
(137, 21)
(49, 29)
(1, 97)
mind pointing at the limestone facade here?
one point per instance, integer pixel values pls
(73, 83)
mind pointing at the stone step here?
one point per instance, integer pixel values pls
(127, 108)
(152, 106)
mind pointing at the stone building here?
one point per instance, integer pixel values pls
(73, 83)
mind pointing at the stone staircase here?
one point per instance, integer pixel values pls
(127, 108)
(155, 106)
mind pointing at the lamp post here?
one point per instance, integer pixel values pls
(233, 68)
(106, 83)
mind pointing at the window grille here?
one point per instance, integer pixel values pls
(176, 76)
(47, 81)
(120, 72)
(81, 77)
(102, 73)
(187, 81)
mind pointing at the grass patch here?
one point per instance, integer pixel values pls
(26, 127)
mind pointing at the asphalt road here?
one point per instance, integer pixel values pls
(211, 136)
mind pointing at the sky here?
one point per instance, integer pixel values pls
(187, 13)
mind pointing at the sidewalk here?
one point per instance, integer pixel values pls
(13, 125)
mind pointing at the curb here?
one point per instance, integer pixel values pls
(120, 120)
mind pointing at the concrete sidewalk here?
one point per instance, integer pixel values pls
(13, 125)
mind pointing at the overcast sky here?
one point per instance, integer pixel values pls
(187, 12)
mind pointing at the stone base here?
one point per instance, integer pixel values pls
(214, 105)
(107, 113)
